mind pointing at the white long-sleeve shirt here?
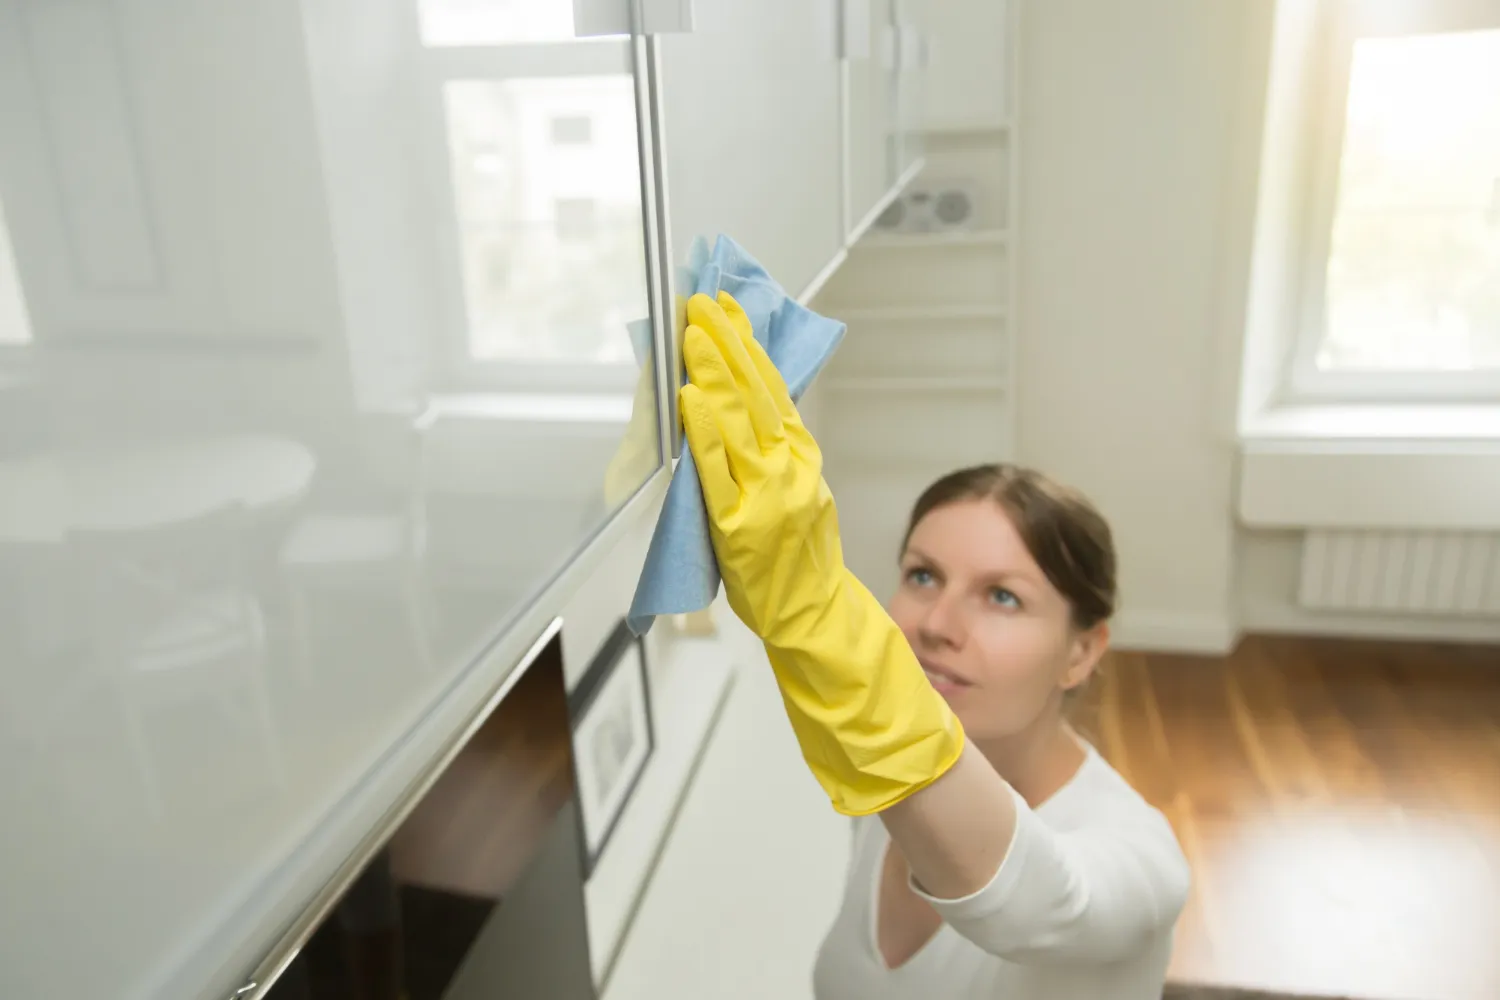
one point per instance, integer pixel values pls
(1082, 908)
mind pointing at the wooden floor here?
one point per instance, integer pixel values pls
(1339, 802)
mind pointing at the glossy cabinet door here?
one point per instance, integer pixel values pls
(912, 52)
(326, 341)
(871, 96)
(750, 106)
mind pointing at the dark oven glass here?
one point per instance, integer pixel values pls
(479, 894)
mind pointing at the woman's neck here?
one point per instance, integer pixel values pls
(1038, 761)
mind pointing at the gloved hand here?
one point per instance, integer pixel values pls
(871, 727)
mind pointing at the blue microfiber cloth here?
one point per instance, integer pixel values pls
(681, 573)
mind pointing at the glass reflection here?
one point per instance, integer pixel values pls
(358, 359)
(495, 22)
(549, 208)
(15, 325)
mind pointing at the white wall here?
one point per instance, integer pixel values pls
(1136, 192)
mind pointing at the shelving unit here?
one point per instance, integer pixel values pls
(924, 382)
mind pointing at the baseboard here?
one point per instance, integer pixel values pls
(1290, 620)
(1174, 632)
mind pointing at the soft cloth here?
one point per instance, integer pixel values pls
(681, 574)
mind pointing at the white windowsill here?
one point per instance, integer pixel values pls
(1384, 467)
(1367, 427)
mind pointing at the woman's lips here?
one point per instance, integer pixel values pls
(942, 680)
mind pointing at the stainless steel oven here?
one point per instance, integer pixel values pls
(477, 894)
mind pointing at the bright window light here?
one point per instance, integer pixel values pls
(495, 22)
(1413, 281)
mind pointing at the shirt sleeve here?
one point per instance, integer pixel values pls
(1097, 895)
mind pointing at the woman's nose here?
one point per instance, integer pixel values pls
(943, 624)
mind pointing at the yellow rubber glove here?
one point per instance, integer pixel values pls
(871, 727)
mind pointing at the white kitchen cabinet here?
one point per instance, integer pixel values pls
(969, 78)
(264, 543)
(871, 135)
(913, 48)
(750, 101)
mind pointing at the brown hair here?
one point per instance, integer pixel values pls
(1063, 531)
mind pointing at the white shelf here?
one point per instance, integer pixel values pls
(917, 383)
(902, 314)
(912, 241)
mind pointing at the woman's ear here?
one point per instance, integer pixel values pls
(1087, 649)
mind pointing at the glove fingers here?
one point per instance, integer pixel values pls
(711, 374)
(735, 314)
(721, 494)
(765, 419)
(791, 420)
(766, 368)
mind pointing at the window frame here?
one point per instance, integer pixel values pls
(439, 65)
(1343, 23)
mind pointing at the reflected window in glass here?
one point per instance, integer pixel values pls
(15, 324)
(550, 231)
(495, 22)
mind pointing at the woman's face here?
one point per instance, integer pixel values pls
(994, 635)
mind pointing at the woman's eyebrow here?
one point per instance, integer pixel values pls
(913, 552)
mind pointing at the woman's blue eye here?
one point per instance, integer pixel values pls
(920, 577)
(1004, 598)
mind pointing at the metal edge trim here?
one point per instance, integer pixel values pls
(846, 125)
(285, 951)
(657, 265)
(671, 354)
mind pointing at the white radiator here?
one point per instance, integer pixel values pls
(1411, 572)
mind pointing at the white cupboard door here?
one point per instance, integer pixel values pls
(870, 102)
(750, 100)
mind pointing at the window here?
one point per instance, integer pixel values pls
(15, 323)
(1402, 275)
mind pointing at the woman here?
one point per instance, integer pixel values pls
(998, 854)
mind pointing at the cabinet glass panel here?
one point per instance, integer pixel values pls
(325, 344)
(750, 99)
